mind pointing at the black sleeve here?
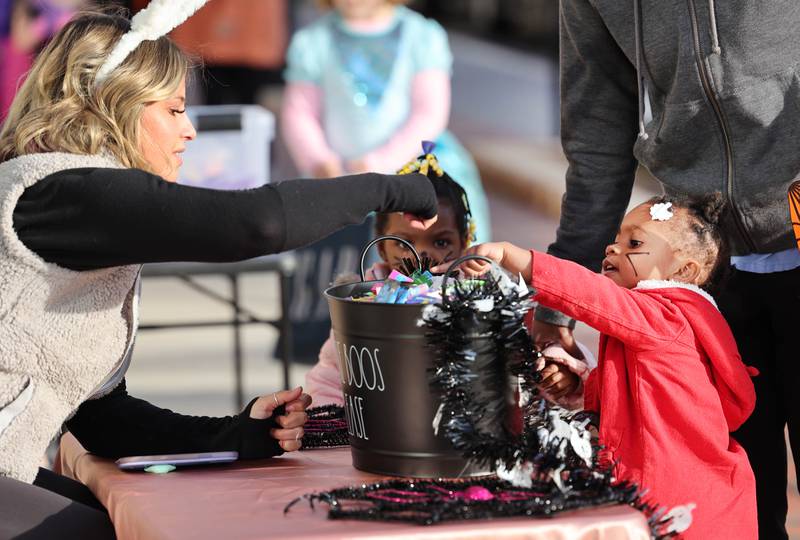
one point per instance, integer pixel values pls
(94, 218)
(119, 425)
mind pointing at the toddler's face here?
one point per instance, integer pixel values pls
(644, 249)
(441, 242)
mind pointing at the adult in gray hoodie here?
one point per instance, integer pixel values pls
(723, 85)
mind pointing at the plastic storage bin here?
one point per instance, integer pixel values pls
(232, 149)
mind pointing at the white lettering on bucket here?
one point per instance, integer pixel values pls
(354, 415)
(365, 371)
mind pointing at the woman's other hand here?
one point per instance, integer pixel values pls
(290, 433)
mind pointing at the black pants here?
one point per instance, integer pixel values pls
(763, 311)
(55, 507)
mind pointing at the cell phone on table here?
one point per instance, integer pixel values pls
(137, 463)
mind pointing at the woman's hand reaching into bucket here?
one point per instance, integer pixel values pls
(290, 433)
(417, 222)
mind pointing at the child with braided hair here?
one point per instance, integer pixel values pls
(670, 386)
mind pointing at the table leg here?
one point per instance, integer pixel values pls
(237, 342)
(286, 328)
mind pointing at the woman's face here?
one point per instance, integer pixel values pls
(441, 242)
(165, 130)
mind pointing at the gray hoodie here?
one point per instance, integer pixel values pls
(723, 81)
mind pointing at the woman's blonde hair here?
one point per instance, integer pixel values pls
(59, 109)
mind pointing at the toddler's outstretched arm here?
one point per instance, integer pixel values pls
(513, 258)
(631, 316)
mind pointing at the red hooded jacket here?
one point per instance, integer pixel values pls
(670, 386)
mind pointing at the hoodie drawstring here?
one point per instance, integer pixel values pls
(712, 14)
(640, 82)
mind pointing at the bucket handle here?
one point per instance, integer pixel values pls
(408, 244)
(458, 262)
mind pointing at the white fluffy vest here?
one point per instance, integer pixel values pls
(62, 333)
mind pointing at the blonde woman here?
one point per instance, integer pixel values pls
(88, 159)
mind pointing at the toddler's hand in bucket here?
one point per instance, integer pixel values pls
(473, 267)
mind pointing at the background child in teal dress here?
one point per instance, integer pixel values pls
(365, 84)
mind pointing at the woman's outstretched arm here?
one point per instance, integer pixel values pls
(86, 219)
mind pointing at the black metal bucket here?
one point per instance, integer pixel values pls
(384, 362)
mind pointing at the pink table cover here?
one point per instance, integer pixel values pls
(245, 500)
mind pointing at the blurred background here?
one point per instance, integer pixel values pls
(504, 111)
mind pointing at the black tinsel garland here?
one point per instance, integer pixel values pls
(427, 502)
(326, 427)
(453, 376)
(410, 265)
(479, 320)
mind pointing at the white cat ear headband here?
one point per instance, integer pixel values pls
(154, 21)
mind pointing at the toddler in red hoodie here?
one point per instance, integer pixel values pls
(670, 385)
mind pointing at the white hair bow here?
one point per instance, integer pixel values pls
(661, 211)
(154, 21)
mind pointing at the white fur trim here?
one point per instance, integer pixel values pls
(671, 284)
(154, 21)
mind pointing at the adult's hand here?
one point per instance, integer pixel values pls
(290, 433)
(562, 375)
(417, 222)
(558, 381)
(545, 334)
